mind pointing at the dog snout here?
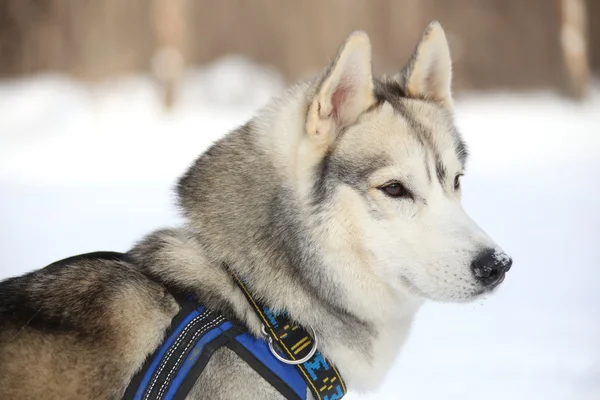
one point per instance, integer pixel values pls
(490, 267)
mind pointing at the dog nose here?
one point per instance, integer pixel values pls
(490, 267)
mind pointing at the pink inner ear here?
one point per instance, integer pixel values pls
(339, 97)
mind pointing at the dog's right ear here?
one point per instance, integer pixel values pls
(428, 74)
(345, 91)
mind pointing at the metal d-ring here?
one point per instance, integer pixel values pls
(292, 362)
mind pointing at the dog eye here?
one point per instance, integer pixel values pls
(457, 182)
(395, 190)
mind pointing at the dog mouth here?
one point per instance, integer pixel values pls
(461, 295)
(487, 289)
(477, 293)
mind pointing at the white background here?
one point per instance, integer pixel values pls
(92, 168)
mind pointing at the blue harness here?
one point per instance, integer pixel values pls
(196, 333)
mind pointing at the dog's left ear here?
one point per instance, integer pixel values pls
(428, 74)
(345, 91)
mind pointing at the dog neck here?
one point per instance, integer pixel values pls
(244, 211)
(362, 347)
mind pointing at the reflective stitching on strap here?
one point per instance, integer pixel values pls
(173, 347)
(175, 368)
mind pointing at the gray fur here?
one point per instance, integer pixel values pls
(73, 330)
(82, 330)
(333, 171)
(257, 233)
(243, 382)
(393, 93)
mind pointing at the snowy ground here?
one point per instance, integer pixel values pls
(85, 169)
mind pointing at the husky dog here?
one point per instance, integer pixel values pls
(340, 203)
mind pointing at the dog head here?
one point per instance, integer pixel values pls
(382, 164)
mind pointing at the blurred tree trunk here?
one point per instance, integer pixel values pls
(574, 42)
(89, 39)
(495, 44)
(22, 26)
(593, 12)
(167, 61)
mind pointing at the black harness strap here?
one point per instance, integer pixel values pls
(195, 372)
(187, 306)
(321, 376)
(98, 255)
(195, 333)
(279, 384)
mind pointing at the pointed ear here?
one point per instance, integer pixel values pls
(428, 74)
(345, 91)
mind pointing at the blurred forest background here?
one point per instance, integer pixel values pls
(89, 157)
(496, 44)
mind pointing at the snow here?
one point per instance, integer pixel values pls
(91, 168)
(501, 257)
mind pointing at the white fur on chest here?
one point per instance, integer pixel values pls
(366, 372)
